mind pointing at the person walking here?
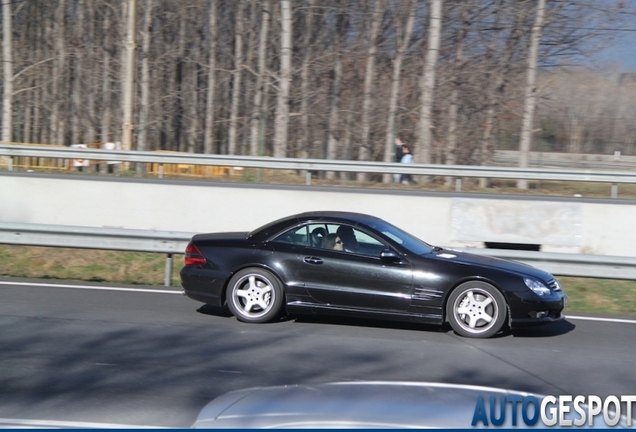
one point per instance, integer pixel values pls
(398, 156)
(407, 158)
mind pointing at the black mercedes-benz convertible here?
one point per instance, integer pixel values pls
(359, 265)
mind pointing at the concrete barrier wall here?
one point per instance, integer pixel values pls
(601, 227)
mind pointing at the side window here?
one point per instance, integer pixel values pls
(333, 236)
(357, 241)
(297, 236)
(366, 240)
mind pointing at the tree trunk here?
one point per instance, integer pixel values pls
(142, 140)
(453, 110)
(427, 85)
(402, 46)
(530, 94)
(282, 101)
(332, 129)
(106, 83)
(77, 74)
(332, 140)
(365, 147)
(89, 76)
(209, 103)
(249, 80)
(193, 107)
(129, 81)
(257, 109)
(236, 85)
(576, 133)
(7, 62)
(76, 101)
(37, 129)
(180, 72)
(57, 126)
(303, 149)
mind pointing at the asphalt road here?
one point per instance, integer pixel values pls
(156, 358)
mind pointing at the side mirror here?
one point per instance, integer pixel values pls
(388, 256)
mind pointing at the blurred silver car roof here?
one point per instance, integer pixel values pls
(351, 404)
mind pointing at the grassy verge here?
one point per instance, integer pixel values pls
(87, 265)
(601, 296)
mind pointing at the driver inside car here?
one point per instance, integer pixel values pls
(348, 237)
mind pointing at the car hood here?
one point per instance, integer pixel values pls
(467, 258)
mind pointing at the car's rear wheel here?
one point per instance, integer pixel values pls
(476, 309)
(255, 295)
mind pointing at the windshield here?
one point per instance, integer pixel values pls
(406, 240)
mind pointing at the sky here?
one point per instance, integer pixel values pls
(622, 51)
(622, 55)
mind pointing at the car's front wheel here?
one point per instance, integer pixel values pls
(476, 309)
(255, 295)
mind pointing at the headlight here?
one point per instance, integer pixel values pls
(537, 287)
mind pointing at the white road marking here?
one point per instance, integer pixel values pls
(615, 320)
(90, 287)
(70, 424)
(106, 288)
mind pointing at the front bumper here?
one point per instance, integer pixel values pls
(528, 309)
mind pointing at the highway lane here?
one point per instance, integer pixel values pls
(155, 357)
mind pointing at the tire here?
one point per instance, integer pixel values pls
(476, 309)
(255, 295)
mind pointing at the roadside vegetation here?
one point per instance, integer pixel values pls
(598, 296)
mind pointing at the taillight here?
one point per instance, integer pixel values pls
(193, 256)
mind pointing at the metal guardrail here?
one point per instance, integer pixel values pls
(131, 240)
(545, 159)
(309, 165)
(577, 265)
(169, 242)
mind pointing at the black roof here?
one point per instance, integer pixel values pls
(279, 225)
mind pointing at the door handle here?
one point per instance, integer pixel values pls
(312, 260)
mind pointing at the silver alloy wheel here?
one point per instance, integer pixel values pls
(476, 311)
(253, 295)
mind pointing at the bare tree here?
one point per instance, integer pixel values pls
(403, 39)
(427, 84)
(341, 25)
(531, 93)
(344, 91)
(456, 82)
(237, 73)
(145, 78)
(257, 110)
(284, 78)
(304, 79)
(365, 148)
(211, 67)
(106, 78)
(57, 126)
(129, 78)
(7, 62)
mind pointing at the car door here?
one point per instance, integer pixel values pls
(359, 280)
(287, 263)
